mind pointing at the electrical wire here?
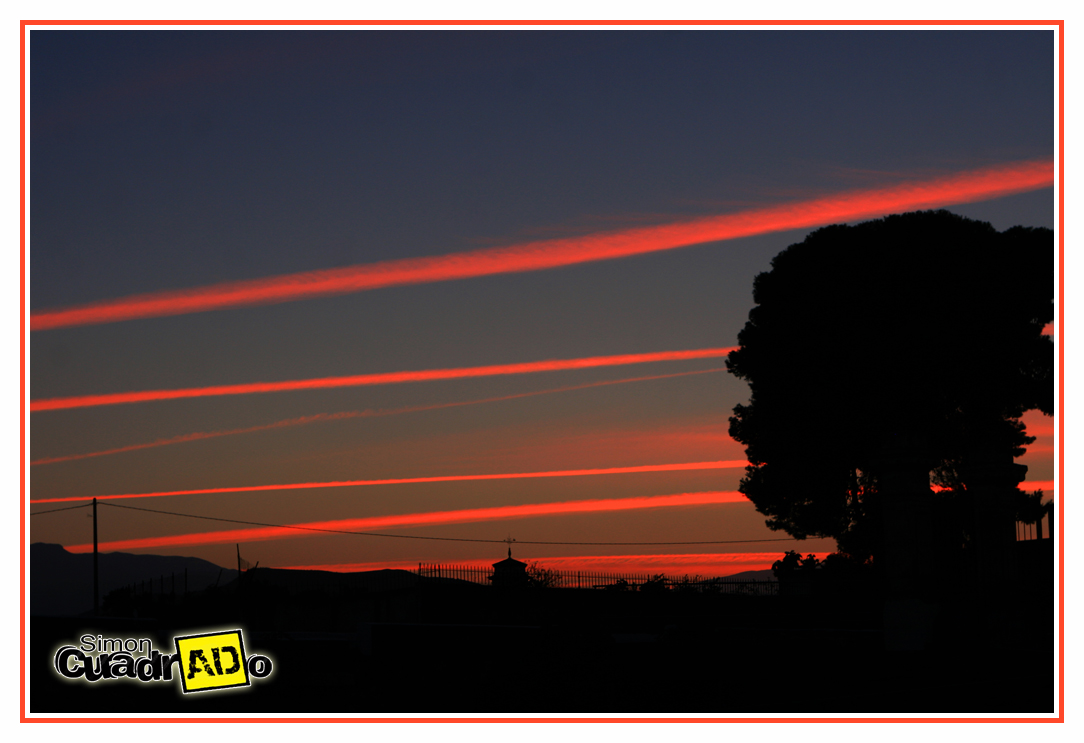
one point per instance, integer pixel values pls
(55, 510)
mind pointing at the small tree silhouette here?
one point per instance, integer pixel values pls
(542, 577)
(1030, 507)
(792, 562)
(688, 584)
(655, 584)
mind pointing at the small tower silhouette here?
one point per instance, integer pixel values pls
(509, 573)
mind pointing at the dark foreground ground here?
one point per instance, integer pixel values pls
(410, 646)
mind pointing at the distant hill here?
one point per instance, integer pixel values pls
(62, 583)
(291, 582)
(752, 575)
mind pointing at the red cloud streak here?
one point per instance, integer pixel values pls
(423, 519)
(323, 417)
(359, 380)
(958, 188)
(684, 466)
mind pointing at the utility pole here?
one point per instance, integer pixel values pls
(94, 505)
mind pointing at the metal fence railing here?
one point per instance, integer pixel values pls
(1027, 531)
(605, 581)
(468, 573)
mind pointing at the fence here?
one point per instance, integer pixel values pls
(467, 573)
(1028, 531)
(159, 587)
(605, 581)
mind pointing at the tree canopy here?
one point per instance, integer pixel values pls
(925, 327)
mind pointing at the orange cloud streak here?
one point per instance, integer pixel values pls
(682, 467)
(969, 186)
(710, 564)
(359, 380)
(322, 417)
(1034, 449)
(435, 518)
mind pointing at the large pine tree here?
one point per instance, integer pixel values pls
(925, 327)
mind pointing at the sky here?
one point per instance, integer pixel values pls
(343, 279)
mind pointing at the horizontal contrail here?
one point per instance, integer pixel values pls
(958, 188)
(360, 380)
(324, 417)
(434, 518)
(681, 467)
(709, 565)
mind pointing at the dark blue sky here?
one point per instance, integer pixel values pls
(173, 158)
(181, 158)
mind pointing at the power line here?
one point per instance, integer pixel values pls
(436, 539)
(292, 526)
(54, 510)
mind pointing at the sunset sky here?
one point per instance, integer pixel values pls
(464, 284)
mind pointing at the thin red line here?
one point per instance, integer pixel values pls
(380, 378)
(573, 720)
(1061, 371)
(346, 415)
(678, 467)
(22, 371)
(543, 22)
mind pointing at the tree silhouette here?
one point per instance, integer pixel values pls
(921, 330)
(540, 576)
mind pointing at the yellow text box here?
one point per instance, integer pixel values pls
(215, 660)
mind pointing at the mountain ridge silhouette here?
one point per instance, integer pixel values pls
(62, 583)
